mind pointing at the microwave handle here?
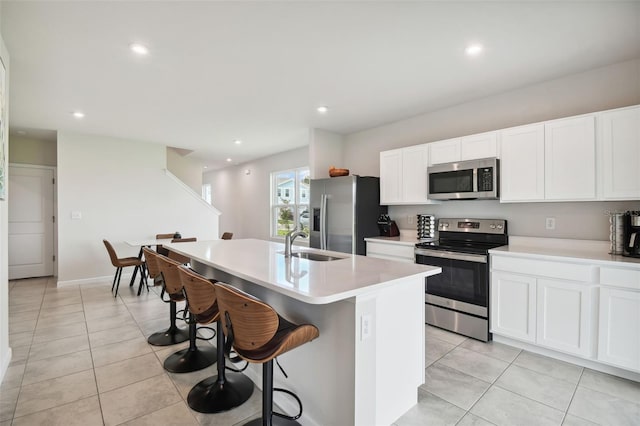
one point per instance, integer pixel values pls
(475, 179)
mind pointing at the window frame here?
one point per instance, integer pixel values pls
(294, 204)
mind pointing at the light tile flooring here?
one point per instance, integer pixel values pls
(80, 357)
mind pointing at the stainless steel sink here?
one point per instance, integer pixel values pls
(315, 256)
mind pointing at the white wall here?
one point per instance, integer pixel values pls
(325, 150)
(122, 190)
(609, 87)
(243, 199)
(187, 169)
(5, 350)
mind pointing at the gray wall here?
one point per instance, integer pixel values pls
(243, 199)
(609, 87)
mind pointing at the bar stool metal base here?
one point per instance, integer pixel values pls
(172, 336)
(211, 396)
(188, 360)
(275, 421)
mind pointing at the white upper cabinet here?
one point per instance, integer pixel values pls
(444, 151)
(570, 159)
(619, 144)
(481, 145)
(522, 163)
(403, 176)
(390, 176)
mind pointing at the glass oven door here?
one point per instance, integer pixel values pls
(464, 278)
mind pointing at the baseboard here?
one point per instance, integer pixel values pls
(6, 360)
(126, 276)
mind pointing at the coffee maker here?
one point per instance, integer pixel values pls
(632, 234)
(388, 227)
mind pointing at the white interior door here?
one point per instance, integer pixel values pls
(30, 222)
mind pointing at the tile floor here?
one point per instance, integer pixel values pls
(80, 357)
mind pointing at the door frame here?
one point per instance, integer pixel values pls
(54, 170)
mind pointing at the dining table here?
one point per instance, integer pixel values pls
(150, 242)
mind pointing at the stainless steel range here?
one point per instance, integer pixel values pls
(458, 298)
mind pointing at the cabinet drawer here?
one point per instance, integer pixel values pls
(543, 268)
(620, 277)
(390, 250)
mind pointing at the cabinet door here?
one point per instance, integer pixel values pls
(444, 151)
(513, 306)
(619, 328)
(483, 145)
(414, 174)
(563, 316)
(570, 159)
(620, 147)
(390, 176)
(522, 163)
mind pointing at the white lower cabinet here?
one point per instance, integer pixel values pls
(513, 306)
(563, 316)
(619, 328)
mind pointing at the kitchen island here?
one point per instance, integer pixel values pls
(368, 362)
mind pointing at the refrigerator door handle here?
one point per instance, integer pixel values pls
(323, 222)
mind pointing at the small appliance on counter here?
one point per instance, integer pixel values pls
(388, 227)
(632, 233)
(426, 226)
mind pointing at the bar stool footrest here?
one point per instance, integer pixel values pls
(275, 421)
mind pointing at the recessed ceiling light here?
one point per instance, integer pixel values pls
(237, 141)
(139, 49)
(474, 49)
(78, 114)
(323, 109)
(229, 160)
(205, 167)
(22, 132)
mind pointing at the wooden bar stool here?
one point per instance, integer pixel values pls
(173, 334)
(224, 391)
(123, 262)
(258, 335)
(192, 358)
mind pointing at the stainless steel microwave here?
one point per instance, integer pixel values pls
(465, 180)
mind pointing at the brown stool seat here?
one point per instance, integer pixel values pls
(258, 334)
(173, 334)
(123, 262)
(226, 390)
(194, 357)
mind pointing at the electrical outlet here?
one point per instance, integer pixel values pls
(410, 219)
(365, 326)
(550, 223)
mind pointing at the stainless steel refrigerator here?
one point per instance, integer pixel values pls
(344, 211)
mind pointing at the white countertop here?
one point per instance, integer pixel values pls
(263, 263)
(588, 251)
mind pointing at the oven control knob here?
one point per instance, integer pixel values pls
(500, 226)
(444, 224)
(492, 226)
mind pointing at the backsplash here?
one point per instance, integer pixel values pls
(574, 220)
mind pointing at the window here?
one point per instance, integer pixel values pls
(206, 192)
(289, 201)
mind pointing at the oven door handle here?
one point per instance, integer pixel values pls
(478, 258)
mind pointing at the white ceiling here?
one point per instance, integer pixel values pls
(256, 71)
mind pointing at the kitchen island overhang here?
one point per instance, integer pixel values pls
(369, 360)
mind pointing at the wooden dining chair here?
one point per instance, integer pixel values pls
(176, 256)
(163, 251)
(121, 263)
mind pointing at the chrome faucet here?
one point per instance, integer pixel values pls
(290, 237)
